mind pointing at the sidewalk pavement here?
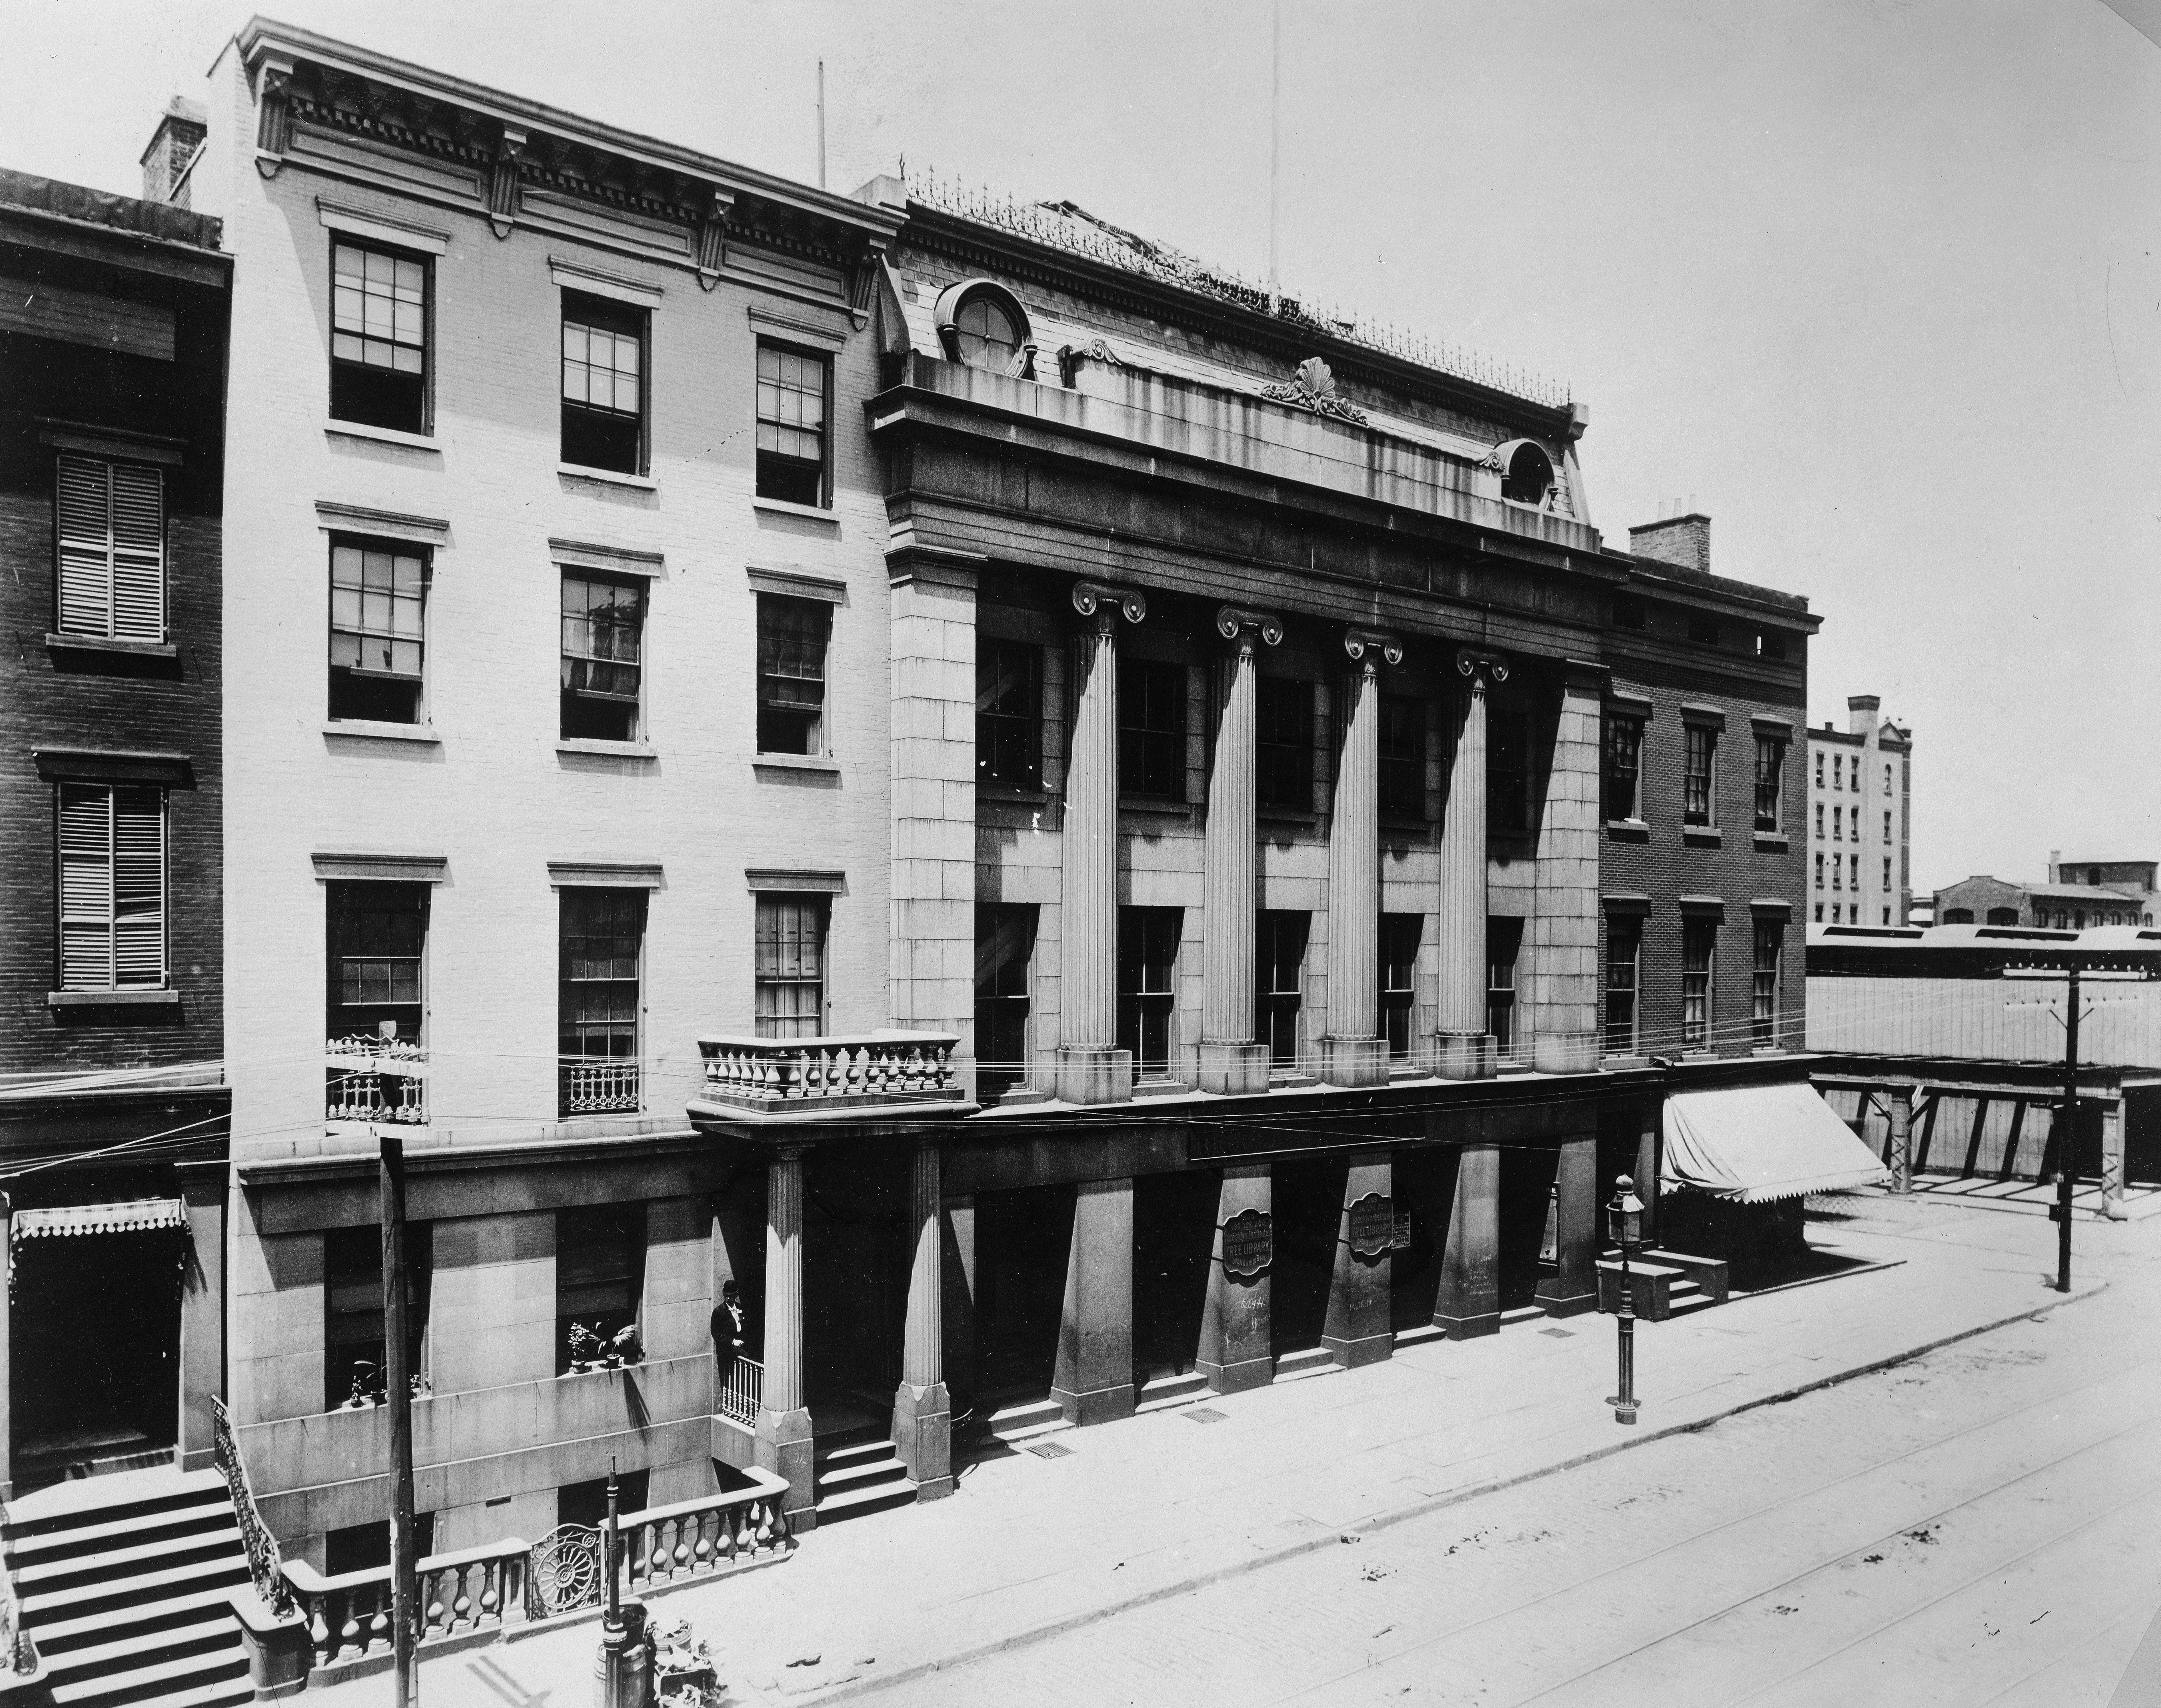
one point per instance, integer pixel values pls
(1137, 1511)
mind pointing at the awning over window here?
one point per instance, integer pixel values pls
(137, 1216)
(1755, 1143)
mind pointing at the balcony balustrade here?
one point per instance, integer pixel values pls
(598, 1087)
(376, 1078)
(810, 1076)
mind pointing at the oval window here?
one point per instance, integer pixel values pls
(987, 335)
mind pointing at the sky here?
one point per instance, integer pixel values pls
(1873, 282)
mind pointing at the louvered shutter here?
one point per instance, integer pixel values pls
(84, 502)
(85, 839)
(138, 887)
(138, 553)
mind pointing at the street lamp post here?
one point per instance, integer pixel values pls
(1625, 1222)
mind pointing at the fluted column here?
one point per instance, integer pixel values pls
(922, 1411)
(1463, 1048)
(1090, 1068)
(1231, 1062)
(783, 1423)
(1352, 1054)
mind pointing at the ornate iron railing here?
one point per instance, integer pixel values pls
(772, 1074)
(264, 1565)
(19, 1651)
(741, 1390)
(598, 1087)
(376, 1078)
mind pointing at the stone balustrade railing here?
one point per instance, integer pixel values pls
(663, 1544)
(804, 1076)
(348, 1616)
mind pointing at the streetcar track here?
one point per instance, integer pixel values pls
(2055, 1399)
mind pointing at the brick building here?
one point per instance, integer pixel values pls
(1151, 836)
(113, 1110)
(2075, 895)
(1861, 789)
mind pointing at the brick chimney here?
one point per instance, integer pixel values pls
(1684, 541)
(182, 128)
(1860, 710)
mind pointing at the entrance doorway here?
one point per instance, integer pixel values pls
(1307, 1197)
(1173, 1226)
(94, 1378)
(1021, 1242)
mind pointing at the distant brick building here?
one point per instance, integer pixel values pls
(1861, 790)
(112, 1107)
(2063, 903)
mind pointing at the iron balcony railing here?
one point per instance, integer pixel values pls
(376, 1078)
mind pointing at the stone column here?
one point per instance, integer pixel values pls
(959, 1245)
(202, 1313)
(1236, 1348)
(2111, 1162)
(1356, 1329)
(921, 1413)
(1559, 1004)
(1463, 1048)
(1469, 1303)
(1573, 1286)
(1231, 1063)
(1898, 1109)
(1090, 1067)
(784, 1417)
(1352, 1054)
(1093, 1383)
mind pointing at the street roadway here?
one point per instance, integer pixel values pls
(1981, 1525)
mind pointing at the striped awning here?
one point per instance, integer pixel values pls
(135, 1216)
(1755, 1144)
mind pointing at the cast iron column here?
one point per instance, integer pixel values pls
(1231, 1062)
(1090, 1068)
(1463, 1048)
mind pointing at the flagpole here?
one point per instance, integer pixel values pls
(1275, 148)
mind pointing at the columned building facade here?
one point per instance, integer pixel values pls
(928, 822)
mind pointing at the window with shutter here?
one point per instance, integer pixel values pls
(111, 548)
(112, 887)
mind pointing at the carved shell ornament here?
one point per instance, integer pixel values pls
(1313, 387)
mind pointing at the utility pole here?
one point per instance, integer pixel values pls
(2065, 1163)
(398, 1376)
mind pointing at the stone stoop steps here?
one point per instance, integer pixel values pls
(856, 1471)
(1017, 1425)
(124, 1588)
(1313, 1361)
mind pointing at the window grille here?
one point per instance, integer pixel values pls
(378, 337)
(1698, 937)
(603, 642)
(791, 425)
(110, 538)
(791, 966)
(1624, 766)
(1009, 713)
(603, 384)
(112, 887)
(792, 636)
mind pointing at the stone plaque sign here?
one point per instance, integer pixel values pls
(1249, 1243)
(1372, 1225)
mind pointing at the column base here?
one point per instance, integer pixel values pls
(1469, 1328)
(1237, 1378)
(1354, 1063)
(1098, 1405)
(923, 1436)
(1463, 1055)
(1565, 1052)
(1234, 1070)
(1085, 1073)
(1555, 1303)
(1354, 1354)
(785, 1448)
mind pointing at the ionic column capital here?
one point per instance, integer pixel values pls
(1091, 597)
(1236, 624)
(1481, 667)
(1364, 644)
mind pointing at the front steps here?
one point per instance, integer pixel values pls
(1313, 1361)
(123, 1584)
(1663, 1284)
(856, 1471)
